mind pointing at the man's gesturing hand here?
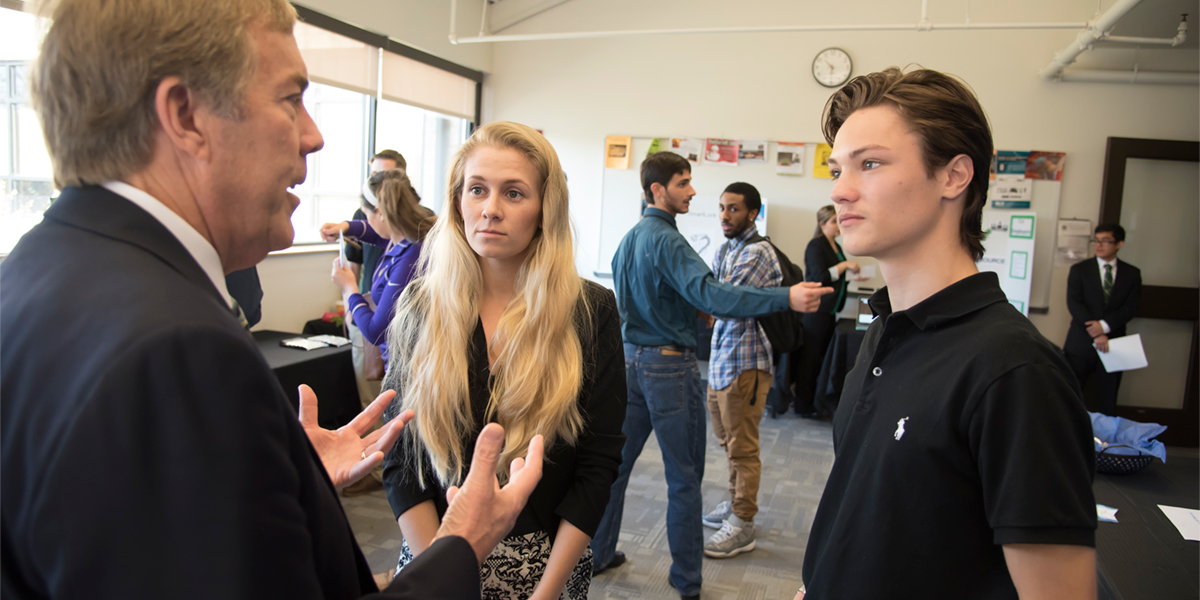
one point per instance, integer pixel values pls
(346, 454)
(482, 512)
(806, 296)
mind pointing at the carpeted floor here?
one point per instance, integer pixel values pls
(797, 455)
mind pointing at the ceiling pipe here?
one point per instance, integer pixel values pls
(1180, 37)
(1135, 76)
(922, 25)
(1094, 31)
(579, 35)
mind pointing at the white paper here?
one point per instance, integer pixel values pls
(332, 340)
(1186, 520)
(1022, 227)
(1124, 354)
(867, 271)
(689, 148)
(1107, 514)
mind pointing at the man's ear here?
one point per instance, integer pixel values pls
(180, 118)
(655, 190)
(958, 174)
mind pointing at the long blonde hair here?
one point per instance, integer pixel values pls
(539, 359)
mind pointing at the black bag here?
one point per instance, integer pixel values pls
(783, 329)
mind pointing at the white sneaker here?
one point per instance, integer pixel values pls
(714, 519)
(731, 539)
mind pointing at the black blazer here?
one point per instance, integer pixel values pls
(819, 256)
(147, 449)
(1085, 300)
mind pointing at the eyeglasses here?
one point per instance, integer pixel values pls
(1100, 242)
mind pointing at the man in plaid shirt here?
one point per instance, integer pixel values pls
(739, 372)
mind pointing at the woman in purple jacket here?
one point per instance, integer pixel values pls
(397, 223)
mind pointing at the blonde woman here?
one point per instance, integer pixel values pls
(396, 222)
(501, 328)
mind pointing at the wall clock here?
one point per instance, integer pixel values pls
(832, 66)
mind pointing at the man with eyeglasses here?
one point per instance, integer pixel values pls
(1102, 296)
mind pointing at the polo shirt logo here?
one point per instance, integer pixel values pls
(900, 428)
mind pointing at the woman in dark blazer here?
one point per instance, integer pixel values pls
(824, 262)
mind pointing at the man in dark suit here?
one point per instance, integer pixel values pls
(1102, 295)
(147, 449)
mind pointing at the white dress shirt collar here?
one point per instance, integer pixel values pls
(202, 251)
(1102, 262)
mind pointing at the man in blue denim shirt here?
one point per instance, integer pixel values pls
(660, 281)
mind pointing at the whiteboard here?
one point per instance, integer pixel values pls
(793, 203)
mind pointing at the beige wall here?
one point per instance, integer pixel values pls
(296, 288)
(759, 85)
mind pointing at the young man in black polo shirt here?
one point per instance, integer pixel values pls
(964, 457)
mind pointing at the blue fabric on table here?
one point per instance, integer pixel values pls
(1138, 436)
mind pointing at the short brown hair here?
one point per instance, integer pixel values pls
(660, 168)
(101, 62)
(945, 116)
(399, 204)
(393, 156)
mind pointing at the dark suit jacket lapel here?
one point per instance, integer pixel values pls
(100, 211)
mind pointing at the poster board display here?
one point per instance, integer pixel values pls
(1008, 251)
(794, 201)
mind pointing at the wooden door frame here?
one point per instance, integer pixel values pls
(1159, 302)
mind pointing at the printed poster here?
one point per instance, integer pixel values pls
(752, 152)
(616, 151)
(689, 148)
(721, 152)
(1074, 242)
(821, 161)
(1011, 193)
(1011, 165)
(789, 158)
(1008, 252)
(1047, 166)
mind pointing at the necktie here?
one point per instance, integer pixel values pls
(1108, 281)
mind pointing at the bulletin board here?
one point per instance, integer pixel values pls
(791, 202)
(791, 205)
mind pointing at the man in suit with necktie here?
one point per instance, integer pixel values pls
(147, 449)
(1102, 295)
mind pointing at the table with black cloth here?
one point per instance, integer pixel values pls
(1143, 555)
(328, 371)
(839, 359)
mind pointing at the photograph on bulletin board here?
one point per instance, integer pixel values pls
(752, 152)
(789, 158)
(1047, 166)
(821, 161)
(616, 151)
(688, 148)
(721, 152)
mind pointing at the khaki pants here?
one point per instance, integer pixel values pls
(736, 411)
(367, 390)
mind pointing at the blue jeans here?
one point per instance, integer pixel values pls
(665, 396)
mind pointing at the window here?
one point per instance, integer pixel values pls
(25, 174)
(427, 140)
(355, 84)
(336, 173)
